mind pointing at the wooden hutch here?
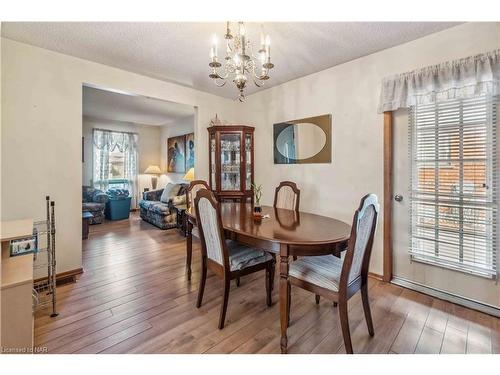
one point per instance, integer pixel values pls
(231, 161)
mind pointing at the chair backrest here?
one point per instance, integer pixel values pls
(287, 196)
(213, 244)
(357, 258)
(192, 189)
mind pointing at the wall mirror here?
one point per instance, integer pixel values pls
(303, 141)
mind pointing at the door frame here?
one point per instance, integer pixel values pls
(388, 194)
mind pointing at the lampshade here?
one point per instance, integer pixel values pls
(189, 176)
(153, 169)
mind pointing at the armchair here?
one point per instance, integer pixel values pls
(94, 201)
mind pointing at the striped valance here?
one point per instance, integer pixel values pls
(459, 79)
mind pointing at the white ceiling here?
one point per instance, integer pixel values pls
(106, 105)
(179, 51)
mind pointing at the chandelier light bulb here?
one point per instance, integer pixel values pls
(214, 45)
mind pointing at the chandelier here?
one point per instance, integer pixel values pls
(240, 61)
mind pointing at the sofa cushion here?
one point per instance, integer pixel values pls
(159, 208)
(92, 206)
(170, 191)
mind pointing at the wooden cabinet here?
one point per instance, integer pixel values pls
(16, 276)
(231, 161)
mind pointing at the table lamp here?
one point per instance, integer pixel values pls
(153, 170)
(189, 176)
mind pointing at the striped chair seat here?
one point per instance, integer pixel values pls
(323, 271)
(241, 256)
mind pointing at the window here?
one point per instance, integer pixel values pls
(453, 185)
(116, 164)
(115, 159)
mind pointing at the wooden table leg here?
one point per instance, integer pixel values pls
(284, 306)
(189, 248)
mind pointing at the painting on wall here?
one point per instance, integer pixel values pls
(189, 151)
(176, 152)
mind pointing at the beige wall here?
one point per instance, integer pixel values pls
(42, 130)
(179, 127)
(350, 92)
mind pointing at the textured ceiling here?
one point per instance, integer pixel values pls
(179, 52)
(113, 106)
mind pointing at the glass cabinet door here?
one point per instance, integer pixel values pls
(230, 147)
(213, 160)
(248, 158)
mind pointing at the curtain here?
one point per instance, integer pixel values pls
(130, 165)
(101, 140)
(458, 79)
(107, 141)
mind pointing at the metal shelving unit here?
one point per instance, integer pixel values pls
(44, 289)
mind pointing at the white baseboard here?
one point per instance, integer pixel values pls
(459, 300)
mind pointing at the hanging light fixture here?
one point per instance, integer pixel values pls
(240, 62)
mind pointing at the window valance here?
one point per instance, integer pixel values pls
(459, 79)
(108, 139)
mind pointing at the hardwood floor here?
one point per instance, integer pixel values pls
(134, 297)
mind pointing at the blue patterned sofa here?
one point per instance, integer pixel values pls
(156, 207)
(94, 201)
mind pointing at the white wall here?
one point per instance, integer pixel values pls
(179, 127)
(148, 147)
(350, 92)
(42, 130)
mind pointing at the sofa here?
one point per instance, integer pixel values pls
(94, 201)
(157, 206)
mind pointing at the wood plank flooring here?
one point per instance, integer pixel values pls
(134, 297)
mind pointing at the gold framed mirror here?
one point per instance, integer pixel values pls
(303, 141)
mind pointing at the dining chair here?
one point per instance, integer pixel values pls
(287, 196)
(191, 191)
(226, 258)
(339, 279)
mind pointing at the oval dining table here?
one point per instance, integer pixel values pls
(282, 232)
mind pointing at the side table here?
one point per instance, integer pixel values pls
(181, 218)
(86, 216)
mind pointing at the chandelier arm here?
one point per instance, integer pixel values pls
(260, 77)
(220, 84)
(260, 84)
(224, 76)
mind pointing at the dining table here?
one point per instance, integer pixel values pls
(281, 232)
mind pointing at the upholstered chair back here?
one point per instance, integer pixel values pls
(209, 225)
(361, 241)
(192, 189)
(287, 196)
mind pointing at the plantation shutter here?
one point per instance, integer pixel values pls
(453, 184)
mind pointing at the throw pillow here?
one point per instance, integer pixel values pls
(179, 199)
(170, 191)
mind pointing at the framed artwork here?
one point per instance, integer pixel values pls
(176, 154)
(189, 151)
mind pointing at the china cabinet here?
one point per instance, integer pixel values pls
(231, 162)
